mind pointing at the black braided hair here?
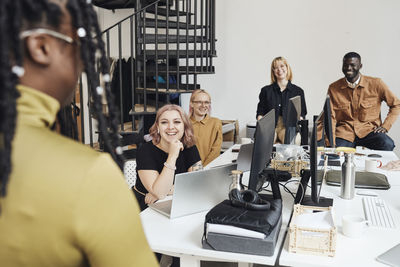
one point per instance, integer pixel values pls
(17, 15)
(67, 123)
(94, 62)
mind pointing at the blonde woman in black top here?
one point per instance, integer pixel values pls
(277, 94)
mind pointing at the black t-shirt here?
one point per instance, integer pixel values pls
(150, 157)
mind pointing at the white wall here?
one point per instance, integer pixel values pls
(313, 35)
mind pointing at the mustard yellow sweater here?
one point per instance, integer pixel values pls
(208, 134)
(66, 205)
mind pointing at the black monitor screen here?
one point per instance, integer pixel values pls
(315, 173)
(314, 164)
(325, 131)
(262, 148)
(293, 116)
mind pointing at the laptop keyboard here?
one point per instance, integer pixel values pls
(162, 206)
(377, 212)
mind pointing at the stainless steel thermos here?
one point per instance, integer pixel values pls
(348, 177)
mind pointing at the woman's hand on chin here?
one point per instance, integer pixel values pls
(174, 148)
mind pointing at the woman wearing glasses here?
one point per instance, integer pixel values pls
(277, 94)
(207, 130)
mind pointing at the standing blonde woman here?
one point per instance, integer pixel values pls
(171, 151)
(277, 94)
(207, 130)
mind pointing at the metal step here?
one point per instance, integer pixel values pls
(163, 12)
(151, 23)
(162, 87)
(172, 38)
(150, 90)
(139, 109)
(150, 54)
(151, 70)
(132, 4)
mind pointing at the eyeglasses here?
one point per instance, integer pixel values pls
(206, 103)
(55, 34)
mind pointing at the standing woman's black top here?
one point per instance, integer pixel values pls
(271, 97)
(150, 157)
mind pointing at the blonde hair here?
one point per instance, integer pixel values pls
(289, 75)
(193, 96)
(188, 136)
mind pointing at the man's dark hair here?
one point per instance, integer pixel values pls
(351, 55)
(19, 15)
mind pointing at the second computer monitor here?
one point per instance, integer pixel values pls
(262, 148)
(325, 126)
(314, 174)
(293, 116)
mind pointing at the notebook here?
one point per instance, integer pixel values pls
(196, 192)
(369, 180)
(391, 257)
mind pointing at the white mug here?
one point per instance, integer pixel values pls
(353, 226)
(372, 165)
(245, 140)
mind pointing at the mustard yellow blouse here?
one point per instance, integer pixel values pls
(66, 204)
(208, 133)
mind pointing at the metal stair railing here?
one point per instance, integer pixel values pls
(199, 18)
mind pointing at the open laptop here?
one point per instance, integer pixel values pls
(390, 257)
(196, 191)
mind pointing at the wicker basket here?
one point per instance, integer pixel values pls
(293, 166)
(310, 240)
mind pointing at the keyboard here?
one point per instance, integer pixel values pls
(377, 212)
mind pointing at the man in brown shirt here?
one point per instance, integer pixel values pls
(356, 108)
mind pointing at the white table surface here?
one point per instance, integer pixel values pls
(355, 251)
(181, 237)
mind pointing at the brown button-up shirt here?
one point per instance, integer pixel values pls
(356, 112)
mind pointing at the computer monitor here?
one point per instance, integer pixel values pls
(293, 116)
(325, 125)
(315, 173)
(262, 148)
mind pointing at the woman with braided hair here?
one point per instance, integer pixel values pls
(61, 203)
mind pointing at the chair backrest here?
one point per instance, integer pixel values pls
(130, 172)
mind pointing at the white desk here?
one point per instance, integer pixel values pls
(355, 251)
(393, 176)
(181, 237)
(223, 159)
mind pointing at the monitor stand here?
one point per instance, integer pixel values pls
(323, 202)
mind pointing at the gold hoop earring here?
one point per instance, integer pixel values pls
(158, 130)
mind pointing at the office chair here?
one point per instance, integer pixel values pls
(130, 172)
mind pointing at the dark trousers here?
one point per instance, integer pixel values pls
(376, 141)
